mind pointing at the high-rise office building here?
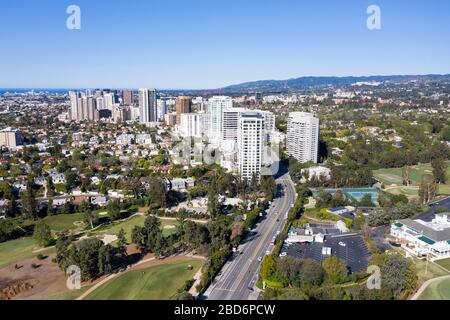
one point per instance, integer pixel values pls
(127, 97)
(216, 105)
(183, 105)
(303, 136)
(250, 144)
(147, 105)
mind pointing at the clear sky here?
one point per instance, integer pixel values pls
(213, 43)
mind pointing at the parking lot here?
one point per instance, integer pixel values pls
(350, 248)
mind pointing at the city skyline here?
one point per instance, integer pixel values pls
(203, 45)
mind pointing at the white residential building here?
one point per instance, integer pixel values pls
(250, 144)
(269, 123)
(423, 237)
(216, 105)
(109, 101)
(192, 125)
(303, 136)
(161, 107)
(230, 123)
(73, 105)
(318, 172)
(10, 137)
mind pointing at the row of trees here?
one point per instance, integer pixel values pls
(308, 280)
(91, 255)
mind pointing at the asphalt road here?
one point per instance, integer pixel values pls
(238, 277)
(429, 215)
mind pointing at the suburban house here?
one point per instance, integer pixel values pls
(317, 172)
(179, 184)
(422, 237)
(342, 210)
(99, 201)
(59, 178)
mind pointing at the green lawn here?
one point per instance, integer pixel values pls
(69, 295)
(129, 224)
(65, 221)
(439, 290)
(15, 250)
(156, 283)
(444, 263)
(394, 176)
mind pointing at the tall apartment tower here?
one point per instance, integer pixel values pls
(147, 105)
(92, 114)
(183, 105)
(127, 97)
(161, 109)
(303, 136)
(110, 100)
(74, 105)
(230, 123)
(250, 144)
(216, 105)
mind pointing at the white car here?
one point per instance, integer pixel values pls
(278, 232)
(267, 252)
(260, 259)
(342, 244)
(283, 254)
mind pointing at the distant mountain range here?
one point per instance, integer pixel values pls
(303, 83)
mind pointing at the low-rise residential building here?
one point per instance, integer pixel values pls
(317, 172)
(424, 237)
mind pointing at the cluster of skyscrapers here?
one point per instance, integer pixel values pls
(240, 135)
(104, 104)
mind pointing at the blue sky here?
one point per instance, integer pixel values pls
(213, 43)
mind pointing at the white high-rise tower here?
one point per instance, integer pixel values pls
(250, 144)
(216, 105)
(303, 136)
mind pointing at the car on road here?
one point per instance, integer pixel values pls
(267, 252)
(278, 232)
(278, 220)
(260, 259)
(434, 204)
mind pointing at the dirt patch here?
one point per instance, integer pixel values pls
(28, 282)
(11, 288)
